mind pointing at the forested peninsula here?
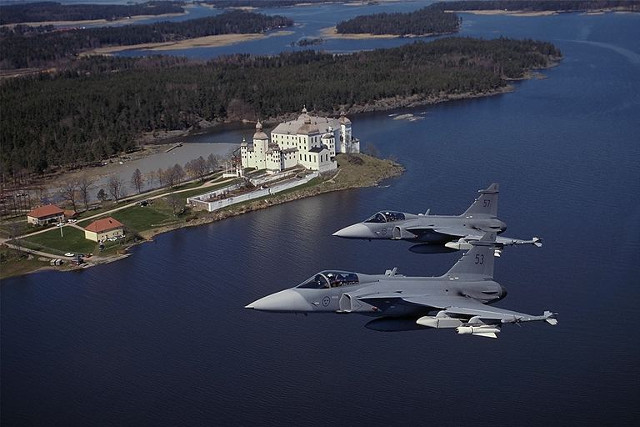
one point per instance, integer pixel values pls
(427, 20)
(223, 4)
(100, 105)
(53, 11)
(539, 5)
(438, 18)
(26, 47)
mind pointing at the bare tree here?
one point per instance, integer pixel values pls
(69, 190)
(151, 178)
(162, 177)
(213, 162)
(14, 234)
(196, 168)
(137, 180)
(115, 186)
(169, 177)
(190, 169)
(102, 195)
(201, 167)
(179, 173)
(176, 202)
(174, 175)
(84, 186)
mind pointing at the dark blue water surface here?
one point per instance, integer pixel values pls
(161, 338)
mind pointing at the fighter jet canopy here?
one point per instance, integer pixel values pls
(386, 216)
(330, 279)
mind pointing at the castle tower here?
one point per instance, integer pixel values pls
(260, 146)
(345, 133)
(329, 140)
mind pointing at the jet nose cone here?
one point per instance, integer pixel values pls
(355, 231)
(503, 292)
(283, 301)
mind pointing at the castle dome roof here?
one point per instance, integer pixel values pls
(343, 119)
(259, 135)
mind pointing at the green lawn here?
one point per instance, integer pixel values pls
(138, 218)
(71, 240)
(16, 227)
(14, 263)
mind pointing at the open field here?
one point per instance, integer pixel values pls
(53, 241)
(139, 218)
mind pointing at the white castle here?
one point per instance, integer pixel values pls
(311, 142)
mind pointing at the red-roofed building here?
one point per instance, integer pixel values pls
(103, 229)
(70, 214)
(47, 214)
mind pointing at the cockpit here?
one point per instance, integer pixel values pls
(386, 216)
(330, 279)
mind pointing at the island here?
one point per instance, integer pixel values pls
(427, 21)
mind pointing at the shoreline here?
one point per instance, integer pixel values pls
(207, 41)
(332, 33)
(328, 185)
(386, 104)
(346, 177)
(96, 22)
(154, 142)
(527, 13)
(534, 13)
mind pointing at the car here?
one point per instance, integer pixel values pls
(71, 220)
(69, 254)
(60, 224)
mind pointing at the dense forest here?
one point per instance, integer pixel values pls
(265, 3)
(434, 20)
(424, 21)
(539, 5)
(24, 47)
(52, 11)
(101, 105)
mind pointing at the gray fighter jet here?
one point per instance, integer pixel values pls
(439, 233)
(457, 300)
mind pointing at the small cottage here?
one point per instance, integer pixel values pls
(103, 229)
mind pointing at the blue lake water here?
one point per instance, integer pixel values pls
(161, 338)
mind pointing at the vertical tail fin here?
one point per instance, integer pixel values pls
(486, 203)
(477, 261)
